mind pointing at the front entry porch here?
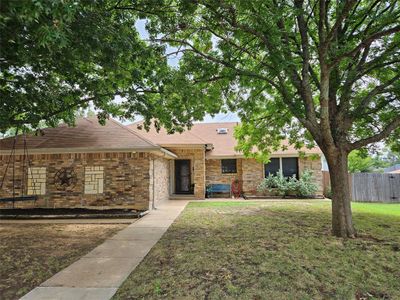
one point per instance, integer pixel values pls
(183, 177)
(187, 174)
(184, 188)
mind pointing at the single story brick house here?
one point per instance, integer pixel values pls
(123, 166)
(206, 155)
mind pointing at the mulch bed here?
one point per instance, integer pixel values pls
(67, 213)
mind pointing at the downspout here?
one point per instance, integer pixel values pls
(153, 205)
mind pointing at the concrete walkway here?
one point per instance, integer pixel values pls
(98, 274)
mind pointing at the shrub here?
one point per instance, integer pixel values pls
(283, 186)
(273, 184)
(306, 184)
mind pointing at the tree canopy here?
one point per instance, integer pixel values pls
(331, 65)
(57, 56)
(363, 161)
(311, 70)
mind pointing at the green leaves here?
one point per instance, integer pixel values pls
(268, 60)
(280, 63)
(58, 56)
(303, 187)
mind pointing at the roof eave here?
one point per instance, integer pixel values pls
(228, 156)
(184, 146)
(165, 153)
(80, 150)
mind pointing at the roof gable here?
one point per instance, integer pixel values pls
(87, 134)
(207, 133)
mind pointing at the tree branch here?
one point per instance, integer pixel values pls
(340, 19)
(364, 44)
(375, 91)
(366, 15)
(377, 137)
(305, 90)
(50, 114)
(218, 61)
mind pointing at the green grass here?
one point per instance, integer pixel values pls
(223, 203)
(392, 209)
(270, 250)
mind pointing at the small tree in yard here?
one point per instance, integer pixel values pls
(312, 70)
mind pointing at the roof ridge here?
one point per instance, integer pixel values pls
(205, 123)
(134, 132)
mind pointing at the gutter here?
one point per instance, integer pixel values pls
(168, 153)
(153, 205)
(78, 150)
(164, 152)
(183, 146)
(271, 156)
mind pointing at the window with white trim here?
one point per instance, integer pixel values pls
(94, 180)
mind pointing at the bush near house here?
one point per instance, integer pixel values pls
(283, 186)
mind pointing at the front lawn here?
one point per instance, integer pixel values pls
(32, 253)
(377, 208)
(271, 250)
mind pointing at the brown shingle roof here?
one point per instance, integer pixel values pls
(188, 137)
(87, 134)
(206, 133)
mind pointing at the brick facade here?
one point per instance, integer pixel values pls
(126, 180)
(214, 172)
(159, 177)
(198, 169)
(251, 172)
(315, 165)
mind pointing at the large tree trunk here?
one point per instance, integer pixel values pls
(342, 221)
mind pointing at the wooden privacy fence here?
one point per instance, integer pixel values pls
(370, 187)
(375, 187)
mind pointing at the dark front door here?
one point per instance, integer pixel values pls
(182, 177)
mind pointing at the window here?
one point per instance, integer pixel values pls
(94, 180)
(36, 181)
(287, 165)
(228, 166)
(290, 167)
(272, 167)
